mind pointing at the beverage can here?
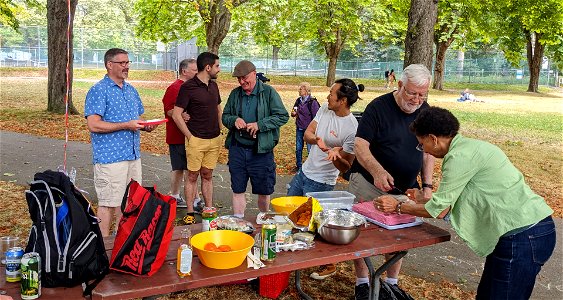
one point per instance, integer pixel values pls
(268, 242)
(31, 276)
(13, 264)
(207, 215)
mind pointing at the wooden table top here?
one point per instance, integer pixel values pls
(373, 240)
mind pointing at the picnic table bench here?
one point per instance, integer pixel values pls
(373, 240)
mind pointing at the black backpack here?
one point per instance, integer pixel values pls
(71, 248)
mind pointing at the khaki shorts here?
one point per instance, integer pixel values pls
(366, 191)
(202, 153)
(110, 180)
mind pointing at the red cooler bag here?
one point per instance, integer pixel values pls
(144, 231)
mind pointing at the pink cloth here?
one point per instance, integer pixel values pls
(367, 209)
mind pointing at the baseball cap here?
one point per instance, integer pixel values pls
(243, 68)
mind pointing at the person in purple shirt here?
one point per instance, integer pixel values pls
(304, 111)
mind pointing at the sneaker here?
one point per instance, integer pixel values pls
(361, 292)
(180, 202)
(324, 271)
(198, 205)
(189, 219)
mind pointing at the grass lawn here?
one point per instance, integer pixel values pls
(527, 126)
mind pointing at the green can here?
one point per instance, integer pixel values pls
(31, 276)
(268, 242)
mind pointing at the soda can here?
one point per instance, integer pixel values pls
(13, 260)
(207, 215)
(268, 242)
(31, 276)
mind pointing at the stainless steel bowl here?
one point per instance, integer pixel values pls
(339, 226)
(338, 234)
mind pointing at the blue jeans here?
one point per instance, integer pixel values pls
(299, 141)
(301, 185)
(510, 271)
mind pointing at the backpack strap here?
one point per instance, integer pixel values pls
(87, 288)
(310, 105)
(296, 102)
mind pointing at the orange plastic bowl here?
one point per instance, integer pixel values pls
(287, 204)
(239, 242)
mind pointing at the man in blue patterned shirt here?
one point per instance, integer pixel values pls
(113, 109)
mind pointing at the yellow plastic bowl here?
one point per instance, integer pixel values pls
(287, 204)
(239, 242)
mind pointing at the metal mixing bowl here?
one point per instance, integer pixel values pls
(339, 235)
(339, 227)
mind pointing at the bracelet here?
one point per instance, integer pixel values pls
(427, 185)
(398, 208)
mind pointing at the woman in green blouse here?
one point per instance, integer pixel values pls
(488, 203)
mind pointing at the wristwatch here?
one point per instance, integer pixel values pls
(427, 185)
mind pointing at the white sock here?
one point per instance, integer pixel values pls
(392, 280)
(362, 280)
(176, 196)
(239, 215)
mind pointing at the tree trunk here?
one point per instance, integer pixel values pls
(57, 18)
(331, 72)
(535, 55)
(218, 26)
(419, 41)
(332, 50)
(275, 55)
(441, 48)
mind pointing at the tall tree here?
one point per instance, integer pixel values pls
(58, 21)
(530, 25)
(273, 23)
(339, 23)
(455, 20)
(10, 11)
(419, 41)
(171, 20)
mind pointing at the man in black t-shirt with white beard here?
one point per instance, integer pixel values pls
(387, 157)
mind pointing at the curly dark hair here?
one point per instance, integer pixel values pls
(435, 120)
(349, 89)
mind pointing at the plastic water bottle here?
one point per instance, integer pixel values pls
(185, 254)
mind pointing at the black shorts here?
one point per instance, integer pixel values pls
(178, 157)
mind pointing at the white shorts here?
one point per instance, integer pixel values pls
(110, 180)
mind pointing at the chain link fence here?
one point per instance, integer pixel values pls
(29, 50)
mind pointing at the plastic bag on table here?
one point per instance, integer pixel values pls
(302, 217)
(392, 292)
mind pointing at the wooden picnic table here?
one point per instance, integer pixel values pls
(373, 240)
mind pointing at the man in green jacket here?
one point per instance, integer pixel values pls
(253, 114)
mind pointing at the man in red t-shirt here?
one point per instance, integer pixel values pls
(174, 137)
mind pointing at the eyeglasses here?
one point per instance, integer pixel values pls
(123, 64)
(419, 147)
(246, 77)
(422, 97)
